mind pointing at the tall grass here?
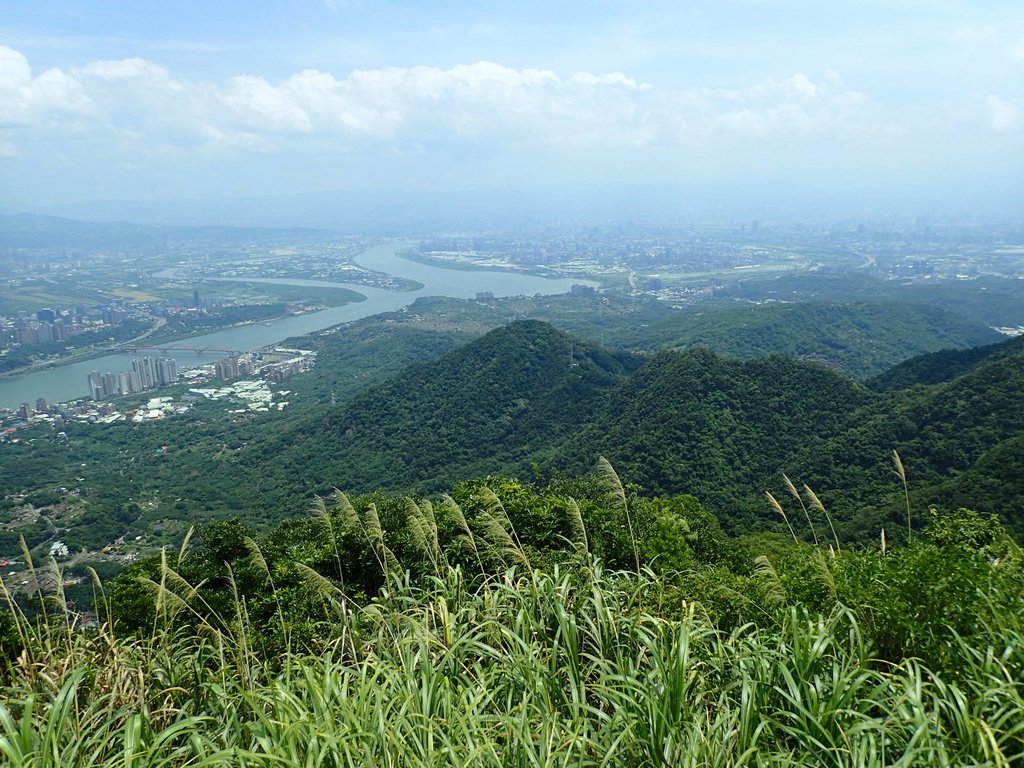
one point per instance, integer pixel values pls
(526, 669)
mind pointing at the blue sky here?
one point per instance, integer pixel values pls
(147, 100)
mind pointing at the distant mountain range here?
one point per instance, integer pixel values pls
(26, 230)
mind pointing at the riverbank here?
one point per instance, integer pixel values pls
(157, 340)
(68, 381)
(469, 266)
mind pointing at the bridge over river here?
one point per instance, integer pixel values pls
(165, 350)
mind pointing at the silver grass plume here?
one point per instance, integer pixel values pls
(617, 493)
(374, 532)
(420, 531)
(183, 549)
(341, 504)
(816, 504)
(796, 495)
(500, 541)
(765, 571)
(782, 513)
(498, 529)
(452, 508)
(902, 472)
(579, 530)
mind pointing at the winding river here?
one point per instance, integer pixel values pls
(68, 382)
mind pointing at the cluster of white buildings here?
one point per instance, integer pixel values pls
(255, 395)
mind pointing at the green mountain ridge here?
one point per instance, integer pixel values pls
(686, 421)
(485, 407)
(942, 431)
(987, 300)
(30, 230)
(718, 428)
(943, 365)
(862, 339)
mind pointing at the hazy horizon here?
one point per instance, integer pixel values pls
(745, 106)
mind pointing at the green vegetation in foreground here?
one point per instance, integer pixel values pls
(483, 629)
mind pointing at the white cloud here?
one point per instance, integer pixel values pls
(127, 69)
(785, 109)
(14, 70)
(255, 100)
(146, 108)
(25, 100)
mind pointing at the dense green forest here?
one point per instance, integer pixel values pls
(527, 397)
(420, 405)
(861, 339)
(943, 365)
(552, 552)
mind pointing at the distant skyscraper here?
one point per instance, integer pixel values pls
(146, 369)
(110, 385)
(167, 371)
(227, 368)
(140, 371)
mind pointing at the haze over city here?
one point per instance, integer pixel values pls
(912, 106)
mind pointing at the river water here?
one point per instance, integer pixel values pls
(69, 382)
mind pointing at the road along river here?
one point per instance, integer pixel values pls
(68, 382)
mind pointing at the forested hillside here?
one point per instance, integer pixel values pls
(985, 300)
(945, 430)
(490, 405)
(861, 339)
(944, 365)
(720, 429)
(685, 422)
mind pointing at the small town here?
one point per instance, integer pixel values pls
(269, 366)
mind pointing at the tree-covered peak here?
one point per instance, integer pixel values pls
(944, 365)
